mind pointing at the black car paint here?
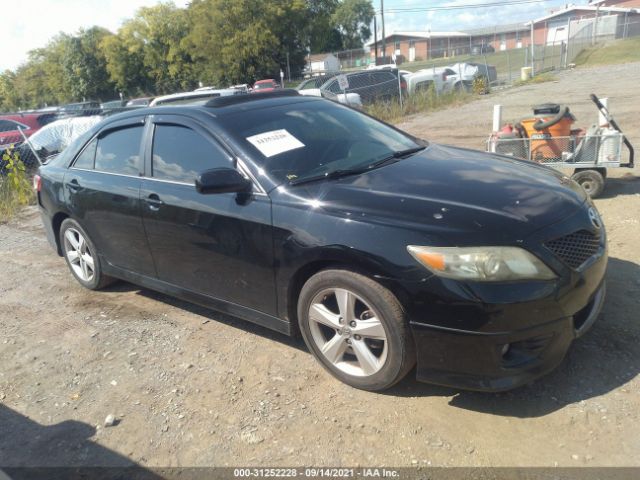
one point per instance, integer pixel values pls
(248, 255)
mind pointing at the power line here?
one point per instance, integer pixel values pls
(459, 7)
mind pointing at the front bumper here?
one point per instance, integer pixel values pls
(496, 345)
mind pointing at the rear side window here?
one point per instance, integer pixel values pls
(118, 151)
(181, 154)
(8, 126)
(88, 155)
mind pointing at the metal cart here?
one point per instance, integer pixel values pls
(589, 153)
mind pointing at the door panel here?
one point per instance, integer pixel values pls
(107, 204)
(219, 244)
(108, 207)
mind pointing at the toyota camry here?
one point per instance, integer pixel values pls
(382, 250)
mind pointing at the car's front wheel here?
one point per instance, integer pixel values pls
(82, 256)
(356, 328)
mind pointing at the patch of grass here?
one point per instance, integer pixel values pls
(617, 51)
(15, 186)
(540, 78)
(392, 112)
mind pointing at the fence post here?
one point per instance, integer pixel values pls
(435, 87)
(533, 53)
(566, 53)
(497, 117)
(399, 89)
(509, 65)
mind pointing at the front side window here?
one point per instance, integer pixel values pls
(118, 151)
(181, 154)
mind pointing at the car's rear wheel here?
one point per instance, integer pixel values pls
(81, 256)
(356, 328)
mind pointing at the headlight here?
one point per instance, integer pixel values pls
(482, 264)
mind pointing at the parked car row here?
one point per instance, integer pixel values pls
(387, 82)
(358, 88)
(459, 76)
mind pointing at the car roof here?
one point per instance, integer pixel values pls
(185, 95)
(222, 106)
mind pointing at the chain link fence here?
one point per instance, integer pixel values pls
(503, 49)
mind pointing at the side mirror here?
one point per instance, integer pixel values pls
(222, 180)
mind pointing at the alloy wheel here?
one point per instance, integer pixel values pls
(348, 332)
(79, 255)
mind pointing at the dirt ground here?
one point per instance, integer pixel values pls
(191, 387)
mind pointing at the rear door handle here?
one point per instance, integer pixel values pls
(154, 202)
(74, 185)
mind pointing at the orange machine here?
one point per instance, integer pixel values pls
(549, 131)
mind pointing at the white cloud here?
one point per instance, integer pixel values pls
(32, 23)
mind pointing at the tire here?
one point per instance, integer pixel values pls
(84, 267)
(367, 346)
(591, 180)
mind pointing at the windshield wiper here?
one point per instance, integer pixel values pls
(395, 156)
(333, 174)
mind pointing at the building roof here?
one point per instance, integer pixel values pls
(422, 34)
(583, 8)
(512, 27)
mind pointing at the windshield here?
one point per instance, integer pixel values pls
(302, 140)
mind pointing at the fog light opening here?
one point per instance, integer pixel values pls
(505, 349)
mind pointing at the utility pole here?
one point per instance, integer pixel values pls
(384, 40)
(375, 38)
(288, 67)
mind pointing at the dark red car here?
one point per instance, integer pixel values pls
(265, 86)
(10, 126)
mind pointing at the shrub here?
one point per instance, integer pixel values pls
(15, 186)
(480, 85)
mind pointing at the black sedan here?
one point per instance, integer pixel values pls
(305, 216)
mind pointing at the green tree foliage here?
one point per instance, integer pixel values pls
(239, 41)
(165, 49)
(353, 18)
(8, 95)
(323, 33)
(147, 54)
(84, 65)
(125, 58)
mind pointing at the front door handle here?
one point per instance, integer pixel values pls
(154, 202)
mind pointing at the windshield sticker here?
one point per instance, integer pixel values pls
(275, 142)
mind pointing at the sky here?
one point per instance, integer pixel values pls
(34, 22)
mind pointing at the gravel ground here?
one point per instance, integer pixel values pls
(191, 387)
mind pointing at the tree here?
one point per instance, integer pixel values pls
(239, 41)
(8, 96)
(147, 53)
(352, 18)
(323, 34)
(125, 60)
(85, 65)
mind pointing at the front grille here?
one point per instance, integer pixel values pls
(576, 248)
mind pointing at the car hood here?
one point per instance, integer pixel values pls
(466, 193)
